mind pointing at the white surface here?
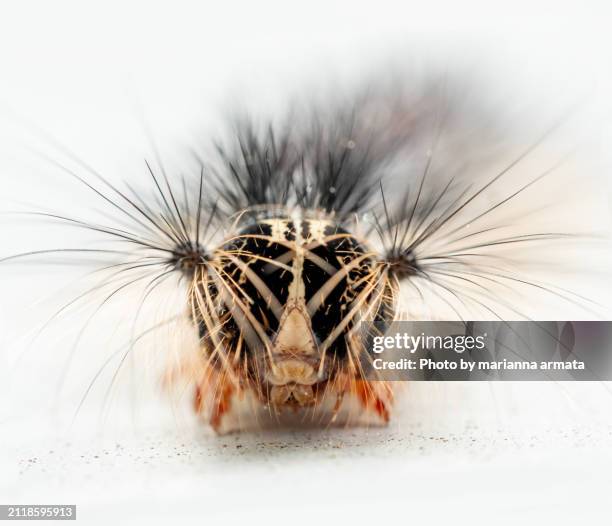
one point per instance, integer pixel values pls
(472, 454)
(455, 453)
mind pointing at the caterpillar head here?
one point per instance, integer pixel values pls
(280, 303)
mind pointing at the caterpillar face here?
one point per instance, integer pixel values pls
(280, 304)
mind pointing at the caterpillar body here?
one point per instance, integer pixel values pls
(299, 242)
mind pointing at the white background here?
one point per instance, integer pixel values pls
(85, 73)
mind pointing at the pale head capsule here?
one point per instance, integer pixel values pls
(289, 289)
